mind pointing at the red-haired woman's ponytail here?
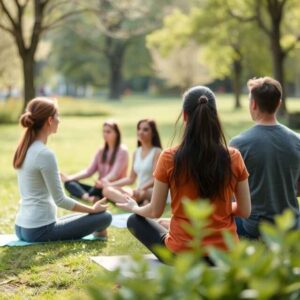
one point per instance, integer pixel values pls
(37, 112)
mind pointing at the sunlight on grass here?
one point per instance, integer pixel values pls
(58, 270)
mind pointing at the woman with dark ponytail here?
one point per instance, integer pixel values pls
(40, 186)
(201, 167)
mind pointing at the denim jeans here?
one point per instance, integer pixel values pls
(241, 231)
(66, 228)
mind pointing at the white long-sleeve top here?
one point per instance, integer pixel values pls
(40, 188)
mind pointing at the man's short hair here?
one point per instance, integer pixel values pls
(266, 92)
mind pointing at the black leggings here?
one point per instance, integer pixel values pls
(77, 189)
(148, 232)
(151, 234)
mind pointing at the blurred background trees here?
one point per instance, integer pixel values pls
(109, 48)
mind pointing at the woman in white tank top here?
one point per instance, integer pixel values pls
(144, 161)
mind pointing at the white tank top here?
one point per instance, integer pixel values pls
(143, 167)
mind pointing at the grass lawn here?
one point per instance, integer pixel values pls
(61, 270)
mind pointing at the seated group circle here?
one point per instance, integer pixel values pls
(239, 180)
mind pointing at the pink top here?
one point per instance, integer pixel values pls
(116, 171)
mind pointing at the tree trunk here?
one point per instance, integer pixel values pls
(115, 80)
(278, 58)
(278, 54)
(236, 83)
(28, 65)
(115, 50)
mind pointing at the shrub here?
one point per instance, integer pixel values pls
(266, 269)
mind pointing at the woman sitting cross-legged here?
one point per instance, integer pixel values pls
(111, 163)
(40, 185)
(144, 162)
(200, 167)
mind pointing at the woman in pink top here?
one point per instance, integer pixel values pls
(111, 162)
(143, 165)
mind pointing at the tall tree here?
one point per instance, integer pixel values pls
(43, 15)
(101, 54)
(279, 20)
(122, 22)
(226, 46)
(10, 76)
(229, 44)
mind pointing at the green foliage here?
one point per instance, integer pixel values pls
(176, 31)
(251, 270)
(222, 38)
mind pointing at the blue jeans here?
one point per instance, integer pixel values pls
(241, 231)
(66, 228)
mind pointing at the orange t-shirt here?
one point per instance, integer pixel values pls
(221, 219)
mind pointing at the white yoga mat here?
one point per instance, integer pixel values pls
(126, 264)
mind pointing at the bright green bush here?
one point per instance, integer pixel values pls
(266, 269)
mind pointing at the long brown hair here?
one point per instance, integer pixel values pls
(202, 156)
(115, 127)
(155, 141)
(37, 113)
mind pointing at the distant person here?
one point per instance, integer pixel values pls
(144, 161)
(40, 186)
(200, 167)
(110, 161)
(271, 153)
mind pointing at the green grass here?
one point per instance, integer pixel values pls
(61, 270)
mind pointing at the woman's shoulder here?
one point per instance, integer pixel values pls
(168, 153)
(138, 150)
(45, 155)
(234, 152)
(235, 155)
(157, 150)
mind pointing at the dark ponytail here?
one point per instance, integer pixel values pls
(202, 156)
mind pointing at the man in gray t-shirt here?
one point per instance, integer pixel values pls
(271, 153)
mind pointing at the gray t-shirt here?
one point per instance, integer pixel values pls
(272, 157)
(40, 188)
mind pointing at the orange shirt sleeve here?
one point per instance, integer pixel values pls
(161, 170)
(240, 169)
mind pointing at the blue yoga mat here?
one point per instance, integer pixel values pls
(12, 240)
(119, 221)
